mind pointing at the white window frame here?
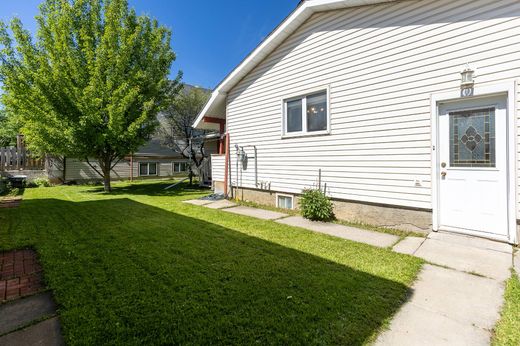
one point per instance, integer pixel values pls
(303, 97)
(148, 169)
(180, 163)
(285, 195)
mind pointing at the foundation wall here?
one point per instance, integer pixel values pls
(377, 215)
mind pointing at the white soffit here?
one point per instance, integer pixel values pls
(216, 106)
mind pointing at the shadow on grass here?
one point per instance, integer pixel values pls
(153, 189)
(129, 273)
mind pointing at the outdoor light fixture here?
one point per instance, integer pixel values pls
(468, 77)
(467, 81)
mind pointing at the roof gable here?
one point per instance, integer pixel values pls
(216, 105)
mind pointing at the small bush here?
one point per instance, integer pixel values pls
(41, 182)
(316, 206)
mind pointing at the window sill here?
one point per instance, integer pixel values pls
(305, 134)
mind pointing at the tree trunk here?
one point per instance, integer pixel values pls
(106, 183)
(106, 176)
(190, 174)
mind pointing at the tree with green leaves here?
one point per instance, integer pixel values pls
(92, 81)
(9, 128)
(178, 132)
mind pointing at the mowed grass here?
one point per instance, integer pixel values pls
(138, 266)
(507, 331)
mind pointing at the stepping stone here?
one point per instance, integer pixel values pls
(47, 333)
(471, 257)
(255, 212)
(447, 307)
(198, 201)
(345, 232)
(408, 245)
(223, 203)
(21, 312)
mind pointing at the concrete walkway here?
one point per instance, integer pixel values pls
(447, 307)
(457, 297)
(355, 234)
(28, 315)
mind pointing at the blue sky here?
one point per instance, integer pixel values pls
(210, 37)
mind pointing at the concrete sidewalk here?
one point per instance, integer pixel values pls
(447, 307)
(351, 233)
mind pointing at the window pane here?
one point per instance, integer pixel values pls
(143, 169)
(176, 167)
(184, 167)
(294, 116)
(472, 138)
(152, 169)
(317, 112)
(284, 202)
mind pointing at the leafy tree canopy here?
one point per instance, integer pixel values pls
(90, 84)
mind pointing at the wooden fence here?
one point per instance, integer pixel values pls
(12, 158)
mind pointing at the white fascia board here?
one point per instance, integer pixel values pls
(286, 28)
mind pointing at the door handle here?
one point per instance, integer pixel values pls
(443, 174)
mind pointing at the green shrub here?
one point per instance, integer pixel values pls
(41, 182)
(316, 206)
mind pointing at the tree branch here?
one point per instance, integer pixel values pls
(94, 168)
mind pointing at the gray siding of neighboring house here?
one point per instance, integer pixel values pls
(80, 170)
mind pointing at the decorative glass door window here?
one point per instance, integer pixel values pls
(472, 138)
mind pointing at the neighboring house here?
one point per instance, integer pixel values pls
(370, 93)
(151, 161)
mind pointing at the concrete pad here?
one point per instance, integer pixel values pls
(21, 312)
(467, 240)
(408, 245)
(466, 298)
(447, 308)
(490, 263)
(255, 212)
(223, 203)
(345, 232)
(198, 201)
(416, 326)
(47, 333)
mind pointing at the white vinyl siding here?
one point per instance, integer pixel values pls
(382, 63)
(218, 167)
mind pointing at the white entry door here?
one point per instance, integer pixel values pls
(473, 167)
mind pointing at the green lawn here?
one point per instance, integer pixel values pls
(507, 331)
(140, 267)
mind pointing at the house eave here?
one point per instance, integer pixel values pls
(216, 105)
